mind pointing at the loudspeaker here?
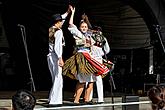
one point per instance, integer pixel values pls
(127, 99)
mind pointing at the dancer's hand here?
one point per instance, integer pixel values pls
(61, 62)
(69, 9)
(72, 9)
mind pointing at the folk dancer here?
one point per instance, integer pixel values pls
(81, 66)
(54, 58)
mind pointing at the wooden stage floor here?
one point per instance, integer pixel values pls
(41, 96)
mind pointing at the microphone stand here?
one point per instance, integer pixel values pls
(157, 27)
(111, 81)
(22, 28)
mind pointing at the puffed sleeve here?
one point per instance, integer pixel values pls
(106, 46)
(58, 47)
(63, 17)
(76, 33)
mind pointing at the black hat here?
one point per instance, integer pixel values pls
(57, 17)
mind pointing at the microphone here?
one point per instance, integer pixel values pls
(20, 25)
(157, 26)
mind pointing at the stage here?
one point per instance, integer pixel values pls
(142, 104)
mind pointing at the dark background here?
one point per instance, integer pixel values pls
(35, 15)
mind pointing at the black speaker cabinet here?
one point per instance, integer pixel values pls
(127, 99)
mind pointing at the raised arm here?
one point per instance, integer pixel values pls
(72, 16)
(67, 12)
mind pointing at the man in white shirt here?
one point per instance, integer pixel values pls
(54, 58)
(101, 48)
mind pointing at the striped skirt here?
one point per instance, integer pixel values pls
(83, 63)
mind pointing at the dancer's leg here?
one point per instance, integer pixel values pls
(88, 91)
(78, 92)
(99, 85)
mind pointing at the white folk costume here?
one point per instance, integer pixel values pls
(81, 65)
(55, 52)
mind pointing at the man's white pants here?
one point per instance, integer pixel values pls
(55, 95)
(99, 86)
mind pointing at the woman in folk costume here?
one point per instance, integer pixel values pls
(54, 58)
(100, 49)
(81, 66)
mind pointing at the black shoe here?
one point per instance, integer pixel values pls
(55, 105)
(89, 103)
(76, 104)
(99, 102)
(46, 103)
